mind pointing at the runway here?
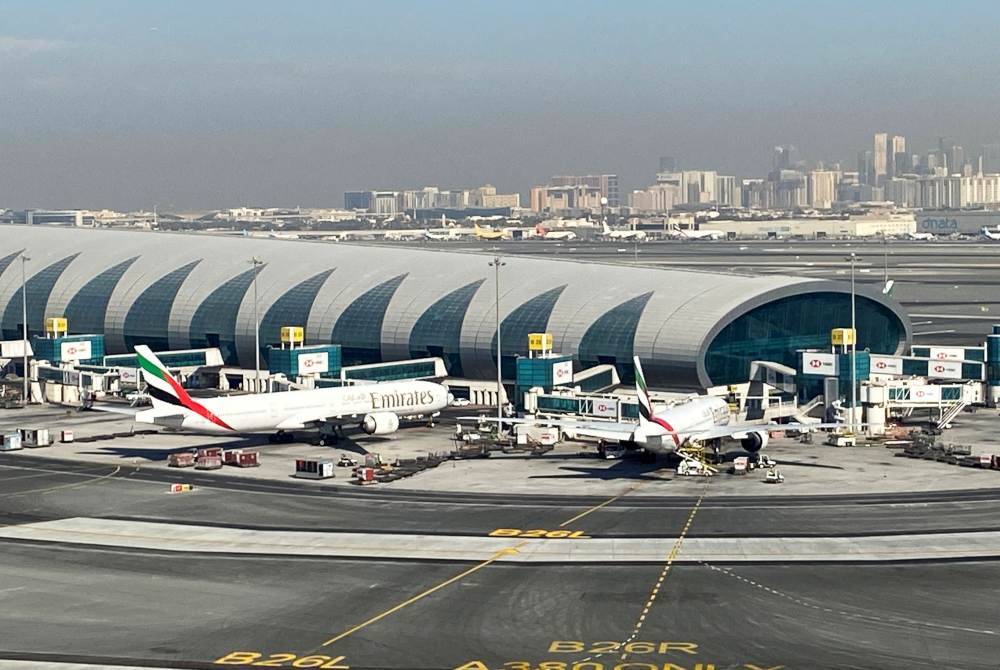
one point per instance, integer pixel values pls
(66, 601)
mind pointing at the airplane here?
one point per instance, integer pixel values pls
(610, 234)
(490, 234)
(921, 236)
(546, 234)
(440, 237)
(991, 234)
(379, 406)
(701, 234)
(667, 429)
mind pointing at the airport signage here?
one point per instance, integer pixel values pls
(947, 353)
(75, 351)
(128, 375)
(314, 363)
(605, 407)
(819, 364)
(925, 393)
(939, 225)
(886, 365)
(562, 373)
(944, 369)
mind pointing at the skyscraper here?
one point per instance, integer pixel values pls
(668, 164)
(897, 158)
(880, 156)
(866, 167)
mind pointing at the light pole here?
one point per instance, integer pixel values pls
(256, 262)
(854, 342)
(24, 326)
(885, 259)
(496, 264)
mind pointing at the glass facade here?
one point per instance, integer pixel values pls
(775, 331)
(438, 331)
(148, 319)
(7, 260)
(214, 322)
(531, 317)
(611, 339)
(385, 373)
(38, 289)
(359, 328)
(87, 310)
(291, 309)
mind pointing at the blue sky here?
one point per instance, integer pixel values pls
(197, 105)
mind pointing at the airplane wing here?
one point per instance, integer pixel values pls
(740, 430)
(602, 430)
(112, 409)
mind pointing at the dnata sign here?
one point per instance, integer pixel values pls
(938, 224)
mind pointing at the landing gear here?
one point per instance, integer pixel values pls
(330, 434)
(281, 437)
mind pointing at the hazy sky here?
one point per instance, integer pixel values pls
(212, 104)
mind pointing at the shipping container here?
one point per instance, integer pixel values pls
(212, 452)
(12, 441)
(247, 459)
(66, 436)
(314, 468)
(35, 437)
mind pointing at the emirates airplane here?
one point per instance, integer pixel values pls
(378, 406)
(663, 430)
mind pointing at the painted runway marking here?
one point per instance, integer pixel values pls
(420, 596)
(674, 552)
(64, 486)
(850, 615)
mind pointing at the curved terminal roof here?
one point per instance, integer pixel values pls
(178, 291)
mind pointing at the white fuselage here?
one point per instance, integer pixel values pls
(290, 410)
(671, 427)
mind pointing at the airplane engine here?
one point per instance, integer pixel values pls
(754, 442)
(380, 423)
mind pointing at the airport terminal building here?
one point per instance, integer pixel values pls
(382, 303)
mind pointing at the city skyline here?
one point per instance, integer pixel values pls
(136, 105)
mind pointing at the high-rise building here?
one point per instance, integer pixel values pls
(727, 193)
(880, 156)
(991, 158)
(897, 156)
(358, 200)
(607, 183)
(785, 157)
(822, 188)
(668, 164)
(866, 167)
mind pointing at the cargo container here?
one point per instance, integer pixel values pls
(212, 452)
(231, 456)
(35, 437)
(12, 442)
(66, 436)
(366, 475)
(247, 459)
(314, 468)
(184, 459)
(208, 463)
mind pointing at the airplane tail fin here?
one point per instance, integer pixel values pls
(164, 391)
(641, 390)
(607, 231)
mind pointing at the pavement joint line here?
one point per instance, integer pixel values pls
(599, 506)
(850, 615)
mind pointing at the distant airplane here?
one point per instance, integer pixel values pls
(376, 407)
(440, 237)
(489, 234)
(920, 236)
(546, 234)
(991, 234)
(701, 234)
(610, 234)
